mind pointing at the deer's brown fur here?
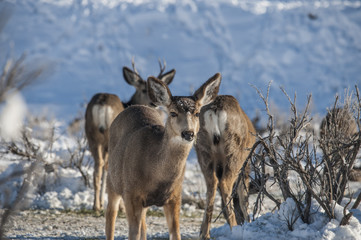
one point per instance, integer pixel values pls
(147, 157)
(100, 113)
(226, 134)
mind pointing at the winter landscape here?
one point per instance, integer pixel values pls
(304, 47)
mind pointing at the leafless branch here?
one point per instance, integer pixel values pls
(18, 75)
(77, 157)
(19, 201)
(357, 202)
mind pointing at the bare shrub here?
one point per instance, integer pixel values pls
(40, 162)
(18, 75)
(28, 151)
(340, 143)
(78, 158)
(27, 186)
(297, 167)
(15, 76)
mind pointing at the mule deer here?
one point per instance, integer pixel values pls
(100, 113)
(133, 78)
(337, 129)
(226, 134)
(147, 158)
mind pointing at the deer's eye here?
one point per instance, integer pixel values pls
(173, 114)
(197, 114)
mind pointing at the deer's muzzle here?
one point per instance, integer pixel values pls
(188, 135)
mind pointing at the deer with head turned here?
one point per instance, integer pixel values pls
(225, 137)
(100, 113)
(147, 158)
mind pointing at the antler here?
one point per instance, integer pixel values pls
(133, 65)
(162, 68)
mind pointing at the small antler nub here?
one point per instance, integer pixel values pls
(162, 68)
(133, 65)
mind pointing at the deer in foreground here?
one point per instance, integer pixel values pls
(147, 158)
(225, 137)
(100, 113)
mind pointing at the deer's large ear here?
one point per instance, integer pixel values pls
(131, 77)
(209, 90)
(167, 77)
(159, 92)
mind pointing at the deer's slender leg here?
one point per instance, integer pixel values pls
(104, 179)
(211, 182)
(143, 226)
(111, 213)
(226, 185)
(172, 210)
(98, 172)
(135, 214)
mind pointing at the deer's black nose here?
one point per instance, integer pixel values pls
(188, 135)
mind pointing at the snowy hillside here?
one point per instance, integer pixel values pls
(304, 46)
(307, 47)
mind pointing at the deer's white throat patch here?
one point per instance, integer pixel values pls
(180, 140)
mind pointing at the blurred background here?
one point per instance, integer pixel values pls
(307, 47)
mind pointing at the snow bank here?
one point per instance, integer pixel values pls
(274, 226)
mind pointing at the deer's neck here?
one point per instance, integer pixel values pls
(129, 103)
(175, 152)
(134, 100)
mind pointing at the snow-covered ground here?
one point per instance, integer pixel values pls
(308, 47)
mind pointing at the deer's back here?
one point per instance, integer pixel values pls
(132, 119)
(133, 134)
(225, 129)
(225, 119)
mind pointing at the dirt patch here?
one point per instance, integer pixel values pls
(53, 224)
